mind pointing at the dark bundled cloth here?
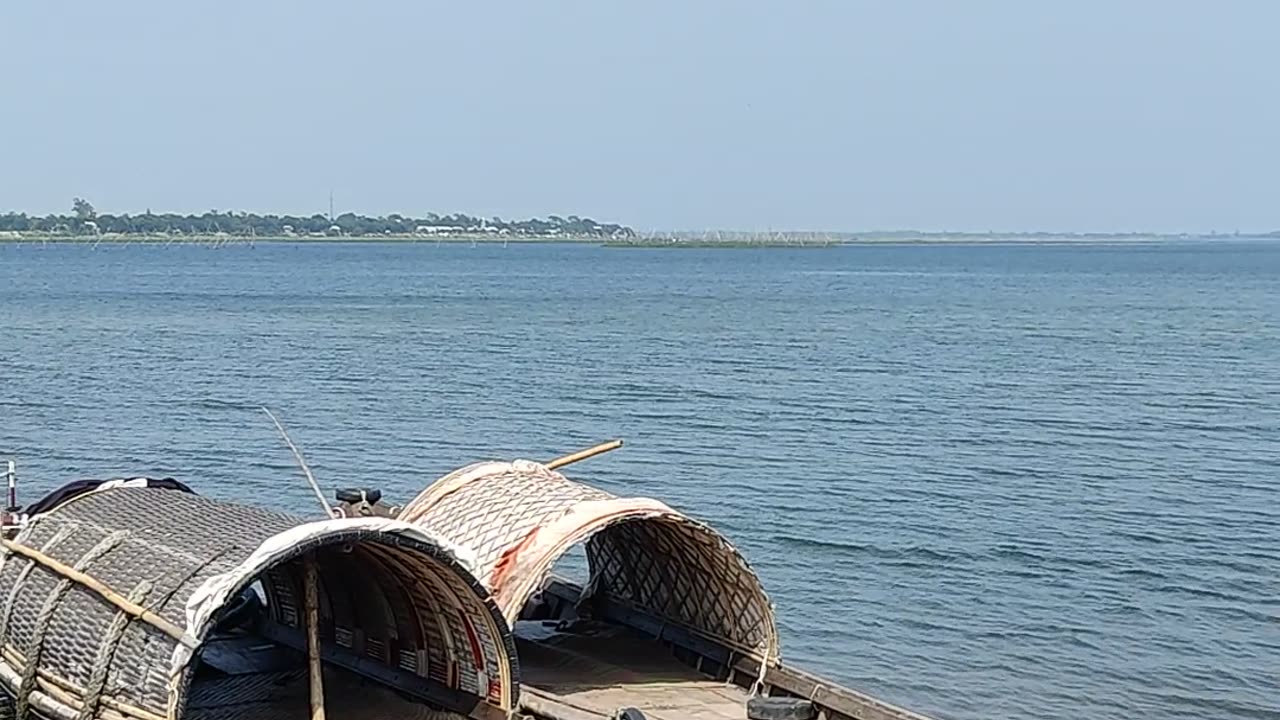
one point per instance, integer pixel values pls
(77, 488)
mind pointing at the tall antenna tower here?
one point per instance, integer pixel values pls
(331, 207)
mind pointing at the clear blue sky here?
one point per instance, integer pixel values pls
(1017, 114)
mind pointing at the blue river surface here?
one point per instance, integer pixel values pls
(978, 481)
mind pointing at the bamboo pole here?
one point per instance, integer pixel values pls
(312, 607)
(584, 454)
(72, 695)
(306, 470)
(120, 601)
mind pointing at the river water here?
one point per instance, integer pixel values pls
(981, 482)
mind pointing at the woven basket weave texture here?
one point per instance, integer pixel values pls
(416, 612)
(640, 553)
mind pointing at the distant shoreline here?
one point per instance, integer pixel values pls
(86, 225)
(654, 243)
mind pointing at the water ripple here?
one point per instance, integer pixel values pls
(1016, 482)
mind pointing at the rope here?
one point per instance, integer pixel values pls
(106, 653)
(62, 534)
(195, 571)
(758, 686)
(23, 700)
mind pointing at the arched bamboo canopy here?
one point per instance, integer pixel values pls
(396, 603)
(518, 518)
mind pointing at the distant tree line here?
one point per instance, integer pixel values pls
(85, 220)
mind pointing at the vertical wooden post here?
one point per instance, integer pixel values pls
(9, 519)
(312, 614)
(12, 477)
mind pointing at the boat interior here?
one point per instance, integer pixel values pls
(617, 658)
(575, 662)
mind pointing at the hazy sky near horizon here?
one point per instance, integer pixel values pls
(985, 114)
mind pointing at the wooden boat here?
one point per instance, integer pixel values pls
(132, 601)
(673, 620)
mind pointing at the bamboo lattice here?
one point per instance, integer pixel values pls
(396, 600)
(518, 518)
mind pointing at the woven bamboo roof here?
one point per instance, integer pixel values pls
(518, 518)
(391, 594)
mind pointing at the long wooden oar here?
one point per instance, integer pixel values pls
(584, 454)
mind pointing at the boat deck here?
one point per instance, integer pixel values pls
(570, 671)
(597, 668)
(284, 696)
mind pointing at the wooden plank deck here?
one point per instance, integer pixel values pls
(595, 669)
